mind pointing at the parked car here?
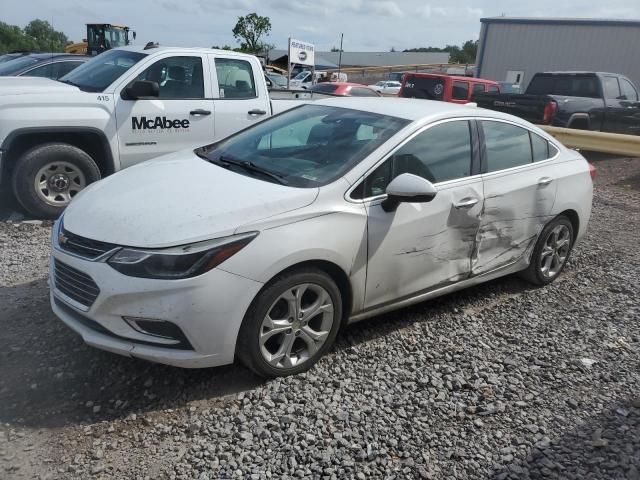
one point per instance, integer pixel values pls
(386, 86)
(508, 87)
(446, 88)
(11, 56)
(48, 65)
(606, 102)
(275, 80)
(345, 89)
(121, 107)
(261, 246)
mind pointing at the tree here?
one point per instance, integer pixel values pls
(464, 54)
(249, 31)
(39, 35)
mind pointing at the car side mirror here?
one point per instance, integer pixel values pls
(408, 188)
(141, 89)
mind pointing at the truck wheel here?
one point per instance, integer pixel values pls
(48, 176)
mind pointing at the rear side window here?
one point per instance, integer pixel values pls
(478, 88)
(460, 91)
(428, 88)
(539, 147)
(235, 78)
(41, 71)
(611, 87)
(506, 145)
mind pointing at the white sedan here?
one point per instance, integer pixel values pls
(388, 87)
(261, 246)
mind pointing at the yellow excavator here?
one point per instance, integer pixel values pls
(101, 37)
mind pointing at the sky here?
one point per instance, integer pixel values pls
(368, 25)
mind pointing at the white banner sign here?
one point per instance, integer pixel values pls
(301, 52)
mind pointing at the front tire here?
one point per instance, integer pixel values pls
(290, 324)
(48, 176)
(551, 252)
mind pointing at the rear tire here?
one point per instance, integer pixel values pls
(48, 176)
(290, 324)
(551, 252)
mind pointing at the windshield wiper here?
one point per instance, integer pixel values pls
(249, 167)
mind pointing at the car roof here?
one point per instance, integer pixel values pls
(160, 48)
(47, 56)
(416, 110)
(453, 77)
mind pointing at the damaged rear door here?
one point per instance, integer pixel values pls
(420, 246)
(519, 193)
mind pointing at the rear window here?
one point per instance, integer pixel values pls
(429, 88)
(566, 85)
(325, 88)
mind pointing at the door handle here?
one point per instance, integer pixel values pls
(544, 181)
(467, 202)
(256, 111)
(199, 111)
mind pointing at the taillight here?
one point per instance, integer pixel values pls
(549, 112)
(592, 172)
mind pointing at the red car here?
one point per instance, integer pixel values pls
(345, 89)
(446, 88)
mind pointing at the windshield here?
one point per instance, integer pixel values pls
(301, 76)
(430, 88)
(14, 66)
(100, 72)
(308, 146)
(8, 57)
(279, 80)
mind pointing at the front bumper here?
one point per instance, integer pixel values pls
(208, 309)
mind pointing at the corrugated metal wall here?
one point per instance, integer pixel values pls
(544, 47)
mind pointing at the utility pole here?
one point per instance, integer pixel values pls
(340, 56)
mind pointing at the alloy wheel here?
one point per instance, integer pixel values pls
(555, 251)
(296, 326)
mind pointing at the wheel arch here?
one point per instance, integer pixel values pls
(579, 121)
(336, 273)
(90, 140)
(573, 217)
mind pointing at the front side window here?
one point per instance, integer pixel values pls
(177, 77)
(460, 91)
(235, 78)
(440, 153)
(628, 90)
(493, 89)
(307, 146)
(611, 87)
(100, 72)
(506, 145)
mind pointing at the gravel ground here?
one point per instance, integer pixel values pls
(498, 381)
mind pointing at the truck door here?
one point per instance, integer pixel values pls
(239, 93)
(622, 107)
(181, 117)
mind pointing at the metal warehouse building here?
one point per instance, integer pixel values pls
(514, 49)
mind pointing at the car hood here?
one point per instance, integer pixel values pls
(27, 85)
(175, 200)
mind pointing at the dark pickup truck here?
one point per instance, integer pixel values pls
(606, 102)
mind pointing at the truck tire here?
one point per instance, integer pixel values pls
(48, 176)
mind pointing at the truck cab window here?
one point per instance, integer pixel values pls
(611, 87)
(235, 78)
(628, 90)
(178, 77)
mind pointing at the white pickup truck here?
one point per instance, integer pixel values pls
(124, 106)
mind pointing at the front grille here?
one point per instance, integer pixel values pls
(74, 284)
(81, 246)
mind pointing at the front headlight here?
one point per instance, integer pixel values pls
(179, 262)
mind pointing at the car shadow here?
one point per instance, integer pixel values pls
(50, 378)
(604, 445)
